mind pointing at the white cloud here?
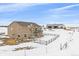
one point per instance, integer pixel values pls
(66, 7)
(62, 12)
(15, 7)
(62, 9)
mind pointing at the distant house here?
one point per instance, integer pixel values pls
(74, 28)
(24, 31)
(55, 26)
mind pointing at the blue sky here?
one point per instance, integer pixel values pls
(41, 13)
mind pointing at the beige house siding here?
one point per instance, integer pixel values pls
(12, 29)
(22, 32)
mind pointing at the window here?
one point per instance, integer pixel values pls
(29, 37)
(61, 27)
(55, 26)
(25, 35)
(18, 35)
(49, 26)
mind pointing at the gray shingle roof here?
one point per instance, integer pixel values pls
(25, 23)
(55, 24)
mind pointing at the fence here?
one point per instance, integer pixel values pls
(47, 42)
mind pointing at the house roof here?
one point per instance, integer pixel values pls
(25, 23)
(55, 24)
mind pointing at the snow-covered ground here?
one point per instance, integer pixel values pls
(4, 30)
(65, 45)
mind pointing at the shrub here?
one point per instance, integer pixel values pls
(10, 41)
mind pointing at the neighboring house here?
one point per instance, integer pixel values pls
(55, 26)
(24, 31)
(3, 30)
(74, 28)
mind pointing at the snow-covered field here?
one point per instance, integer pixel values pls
(65, 45)
(4, 30)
